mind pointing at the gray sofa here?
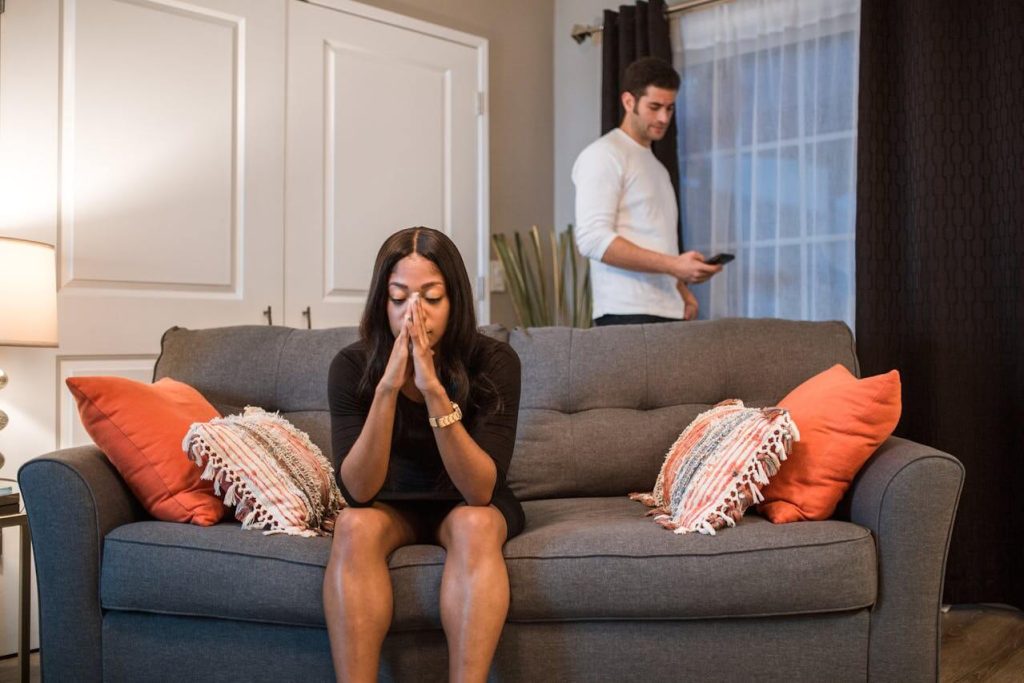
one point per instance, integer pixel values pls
(599, 592)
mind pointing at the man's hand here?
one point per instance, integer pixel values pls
(690, 304)
(689, 267)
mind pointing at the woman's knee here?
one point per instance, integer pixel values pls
(360, 532)
(474, 527)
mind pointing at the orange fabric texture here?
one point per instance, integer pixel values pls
(842, 421)
(141, 427)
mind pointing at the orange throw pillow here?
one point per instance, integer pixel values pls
(842, 421)
(141, 427)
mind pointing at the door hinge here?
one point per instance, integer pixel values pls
(481, 288)
(481, 103)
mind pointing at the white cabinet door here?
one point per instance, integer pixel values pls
(386, 129)
(172, 168)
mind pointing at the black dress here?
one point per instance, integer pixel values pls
(416, 471)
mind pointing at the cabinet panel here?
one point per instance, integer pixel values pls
(149, 131)
(374, 143)
(171, 198)
(385, 131)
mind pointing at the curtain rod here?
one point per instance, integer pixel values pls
(581, 32)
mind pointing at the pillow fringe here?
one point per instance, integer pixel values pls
(267, 445)
(716, 434)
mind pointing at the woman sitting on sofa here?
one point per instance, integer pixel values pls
(423, 418)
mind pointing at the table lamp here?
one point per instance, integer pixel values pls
(28, 299)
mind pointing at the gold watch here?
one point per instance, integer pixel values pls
(449, 419)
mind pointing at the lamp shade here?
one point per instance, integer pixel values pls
(28, 293)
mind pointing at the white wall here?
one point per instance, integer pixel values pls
(28, 206)
(577, 96)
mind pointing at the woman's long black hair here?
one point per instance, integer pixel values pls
(459, 343)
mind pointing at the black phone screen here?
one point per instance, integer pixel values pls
(721, 258)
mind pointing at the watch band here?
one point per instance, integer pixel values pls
(447, 420)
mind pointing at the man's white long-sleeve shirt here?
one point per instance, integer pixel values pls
(622, 190)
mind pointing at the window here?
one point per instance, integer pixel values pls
(767, 120)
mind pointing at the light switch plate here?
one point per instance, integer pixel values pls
(497, 277)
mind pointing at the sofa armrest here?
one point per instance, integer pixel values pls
(73, 497)
(907, 495)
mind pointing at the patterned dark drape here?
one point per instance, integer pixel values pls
(940, 256)
(629, 34)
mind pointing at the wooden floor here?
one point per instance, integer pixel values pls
(982, 643)
(979, 643)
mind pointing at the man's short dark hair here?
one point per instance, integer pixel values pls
(649, 71)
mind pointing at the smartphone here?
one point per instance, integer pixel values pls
(719, 259)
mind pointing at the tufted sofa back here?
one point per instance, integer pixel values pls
(599, 408)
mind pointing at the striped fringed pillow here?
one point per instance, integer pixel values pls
(712, 472)
(276, 478)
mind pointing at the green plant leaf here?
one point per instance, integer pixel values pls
(542, 291)
(528, 282)
(512, 277)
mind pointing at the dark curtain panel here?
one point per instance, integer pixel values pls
(629, 34)
(940, 256)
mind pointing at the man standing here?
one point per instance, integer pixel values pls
(626, 210)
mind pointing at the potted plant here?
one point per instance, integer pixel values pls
(566, 299)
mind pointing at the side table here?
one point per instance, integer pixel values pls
(20, 520)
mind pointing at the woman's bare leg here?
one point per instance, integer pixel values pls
(474, 589)
(357, 587)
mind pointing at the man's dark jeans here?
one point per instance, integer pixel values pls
(637, 319)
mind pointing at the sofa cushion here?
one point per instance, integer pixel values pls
(585, 558)
(598, 558)
(140, 427)
(713, 471)
(273, 475)
(279, 369)
(601, 407)
(843, 420)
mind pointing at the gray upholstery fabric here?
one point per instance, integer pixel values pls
(73, 499)
(221, 570)
(756, 568)
(600, 407)
(650, 366)
(159, 648)
(274, 368)
(599, 592)
(830, 647)
(907, 496)
(590, 544)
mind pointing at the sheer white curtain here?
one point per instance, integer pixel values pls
(767, 117)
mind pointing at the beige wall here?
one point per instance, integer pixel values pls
(521, 106)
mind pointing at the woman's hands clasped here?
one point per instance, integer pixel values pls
(424, 371)
(411, 356)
